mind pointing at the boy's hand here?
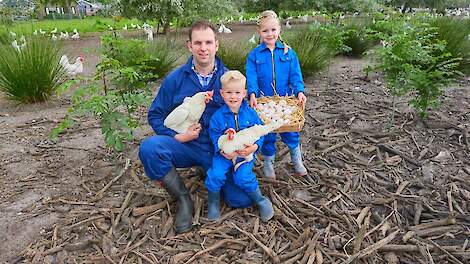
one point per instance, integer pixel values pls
(229, 156)
(302, 99)
(247, 150)
(253, 101)
(191, 134)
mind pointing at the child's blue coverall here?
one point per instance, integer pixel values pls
(161, 152)
(265, 70)
(223, 119)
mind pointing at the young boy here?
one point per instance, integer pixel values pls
(235, 114)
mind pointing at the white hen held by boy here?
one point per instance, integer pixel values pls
(232, 141)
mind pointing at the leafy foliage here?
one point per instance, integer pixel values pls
(120, 87)
(33, 73)
(414, 61)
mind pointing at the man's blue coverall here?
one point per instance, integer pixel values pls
(161, 152)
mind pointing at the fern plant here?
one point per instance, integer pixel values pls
(415, 62)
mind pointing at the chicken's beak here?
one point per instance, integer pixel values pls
(230, 133)
(81, 58)
(209, 95)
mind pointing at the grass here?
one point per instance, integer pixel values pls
(355, 37)
(456, 33)
(32, 74)
(312, 50)
(234, 54)
(86, 25)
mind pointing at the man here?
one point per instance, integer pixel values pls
(168, 150)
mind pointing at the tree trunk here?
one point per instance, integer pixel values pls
(166, 27)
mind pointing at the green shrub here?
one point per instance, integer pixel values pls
(121, 86)
(168, 52)
(356, 38)
(455, 32)
(234, 54)
(414, 62)
(312, 49)
(32, 74)
(156, 58)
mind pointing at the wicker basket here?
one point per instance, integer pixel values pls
(297, 118)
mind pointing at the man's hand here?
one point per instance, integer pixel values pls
(191, 134)
(229, 156)
(247, 150)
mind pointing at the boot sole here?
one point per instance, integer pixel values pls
(183, 229)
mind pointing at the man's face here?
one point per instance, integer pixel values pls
(203, 46)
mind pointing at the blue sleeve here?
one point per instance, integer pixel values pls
(216, 130)
(251, 75)
(160, 108)
(295, 77)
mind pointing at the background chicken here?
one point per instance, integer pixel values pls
(72, 69)
(189, 112)
(232, 141)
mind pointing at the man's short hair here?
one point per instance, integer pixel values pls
(201, 25)
(232, 76)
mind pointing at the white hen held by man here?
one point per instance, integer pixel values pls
(188, 113)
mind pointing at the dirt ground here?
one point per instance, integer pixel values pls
(72, 200)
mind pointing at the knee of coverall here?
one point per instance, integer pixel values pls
(235, 197)
(291, 139)
(245, 178)
(217, 174)
(269, 145)
(155, 157)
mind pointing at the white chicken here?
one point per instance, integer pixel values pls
(18, 47)
(252, 40)
(288, 25)
(75, 35)
(189, 112)
(232, 141)
(72, 69)
(224, 29)
(149, 33)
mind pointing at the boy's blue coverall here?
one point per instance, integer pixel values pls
(265, 69)
(161, 152)
(223, 119)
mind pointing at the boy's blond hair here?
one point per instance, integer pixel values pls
(232, 76)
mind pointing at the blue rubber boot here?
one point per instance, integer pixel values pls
(213, 205)
(296, 157)
(268, 167)
(265, 206)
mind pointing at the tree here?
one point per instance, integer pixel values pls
(174, 11)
